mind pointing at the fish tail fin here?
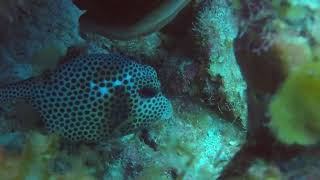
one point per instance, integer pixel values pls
(19, 90)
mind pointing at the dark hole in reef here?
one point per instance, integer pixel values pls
(119, 13)
(147, 92)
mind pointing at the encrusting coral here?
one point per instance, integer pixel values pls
(216, 29)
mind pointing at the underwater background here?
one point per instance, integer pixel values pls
(159, 90)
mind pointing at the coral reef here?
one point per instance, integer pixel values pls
(278, 39)
(281, 35)
(216, 30)
(193, 145)
(263, 170)
(37, 159)
(34, 29)
(200, 147)
(304, 165)
(275, 48)
(145, 49)
(183, 72)
(222, 63)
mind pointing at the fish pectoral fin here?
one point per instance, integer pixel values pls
(120, 110)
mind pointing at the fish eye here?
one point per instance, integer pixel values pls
(147, 92)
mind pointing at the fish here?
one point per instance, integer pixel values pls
(94, 97)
